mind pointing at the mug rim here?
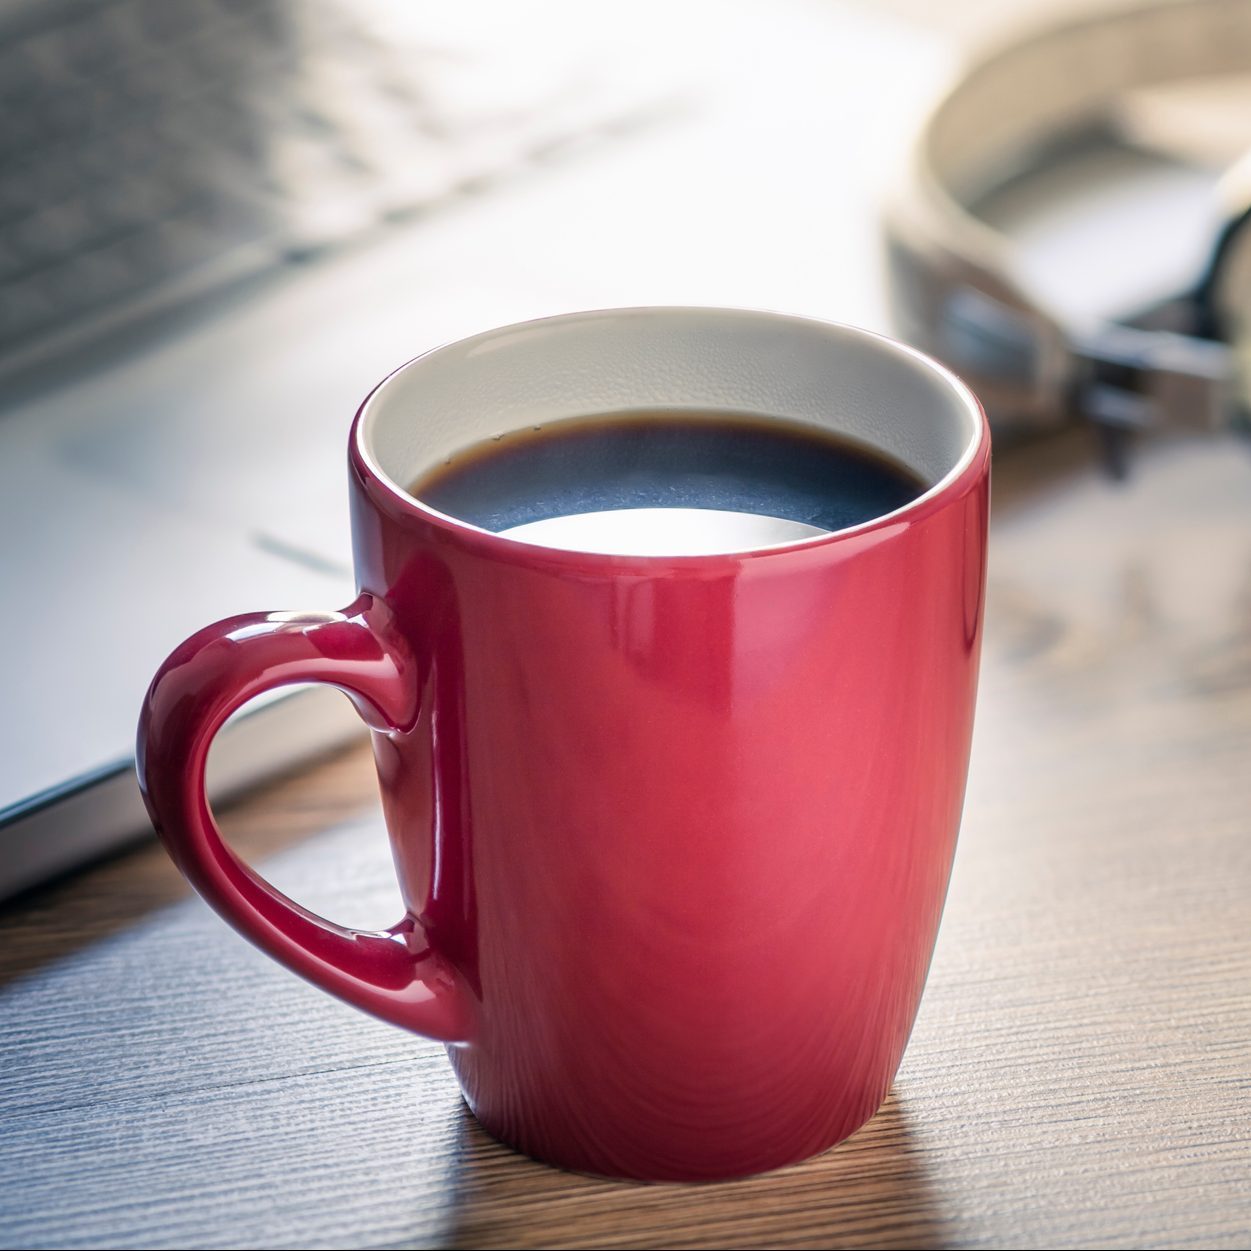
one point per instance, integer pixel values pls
(397, 502)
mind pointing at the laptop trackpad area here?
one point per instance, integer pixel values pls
(103, 582)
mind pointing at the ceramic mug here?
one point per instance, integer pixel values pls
(673, 832)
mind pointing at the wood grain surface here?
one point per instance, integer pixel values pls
(1080, 1075)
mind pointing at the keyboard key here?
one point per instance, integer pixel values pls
(27, 306)
(94, 44)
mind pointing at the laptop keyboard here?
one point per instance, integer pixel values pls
(151, 150)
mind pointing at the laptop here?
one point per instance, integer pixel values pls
(222, 221)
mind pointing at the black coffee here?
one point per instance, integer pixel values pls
(671, 482)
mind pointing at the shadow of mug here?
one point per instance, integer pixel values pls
(870, 1191)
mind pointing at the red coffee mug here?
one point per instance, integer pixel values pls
(673, 832)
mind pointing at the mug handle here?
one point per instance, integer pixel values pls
(393, 974)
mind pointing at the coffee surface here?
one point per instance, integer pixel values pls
(667, 483)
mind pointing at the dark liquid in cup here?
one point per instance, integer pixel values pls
(668, 483)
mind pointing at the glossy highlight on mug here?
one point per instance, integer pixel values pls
(673, 834)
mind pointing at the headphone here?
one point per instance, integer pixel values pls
(953, 289)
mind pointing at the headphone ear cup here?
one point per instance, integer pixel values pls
(1223, 299)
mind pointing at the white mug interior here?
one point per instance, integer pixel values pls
(703, 362)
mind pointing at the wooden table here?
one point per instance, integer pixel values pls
(1080, 1074)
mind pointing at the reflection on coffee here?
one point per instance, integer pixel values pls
(658, 483)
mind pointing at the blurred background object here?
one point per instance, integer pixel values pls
(154, 151)
(1060, 238)
(222, 221)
